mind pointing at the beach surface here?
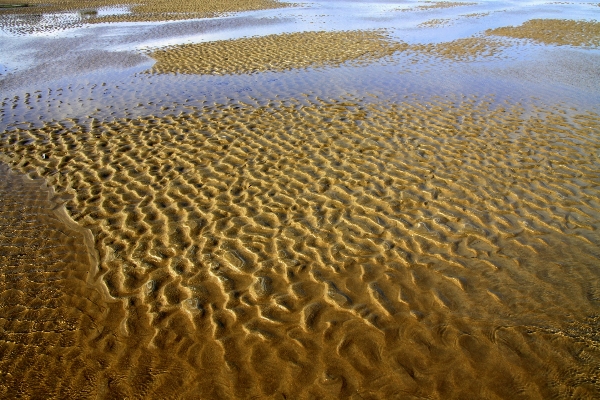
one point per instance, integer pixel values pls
(259, 199)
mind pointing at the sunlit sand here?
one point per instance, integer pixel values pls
(216, 200)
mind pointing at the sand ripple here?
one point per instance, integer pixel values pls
(275, 52)
(48, 310)
(42, 16)
(554, 31)
(461, 50)
(312, 50)
(314, 248)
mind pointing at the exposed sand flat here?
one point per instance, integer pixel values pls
(61, 336)
(309, 49)
(313, 248)
(47, 310)
(413, 211)
(554, 31)
(467, 49)
(162, 10)
(146, 10)
(275, 52)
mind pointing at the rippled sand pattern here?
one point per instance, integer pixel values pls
(463, 50)
(275, 52)
(161, 10)
(554, 31)
(148, 10)
(310, 49)
(47, 309)
(329, 249)
(61, 336)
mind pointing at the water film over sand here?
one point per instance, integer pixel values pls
(307, 214)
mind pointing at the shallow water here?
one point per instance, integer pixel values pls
(421, 224)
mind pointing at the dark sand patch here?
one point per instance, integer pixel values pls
(49, 307)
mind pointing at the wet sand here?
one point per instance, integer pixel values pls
(304, 243)
(345, 244)
(558, 32)
(276, 53)
(151, 10)
(50, 305)
(310, 50)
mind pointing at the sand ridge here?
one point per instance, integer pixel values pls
(554, 32)
(311, 50)
(313, 248)
(61, 334)
(263, 236)
(462, 50)
(276, 52)
(148, 10)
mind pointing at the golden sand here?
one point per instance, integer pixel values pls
(307, 248)
(310, 50)
(461, 50)
(147, 10)
(554, 31)
(75, 13)
(330, 249)
(275, 52)
(48, 308)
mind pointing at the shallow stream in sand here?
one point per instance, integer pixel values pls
(329, 200)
